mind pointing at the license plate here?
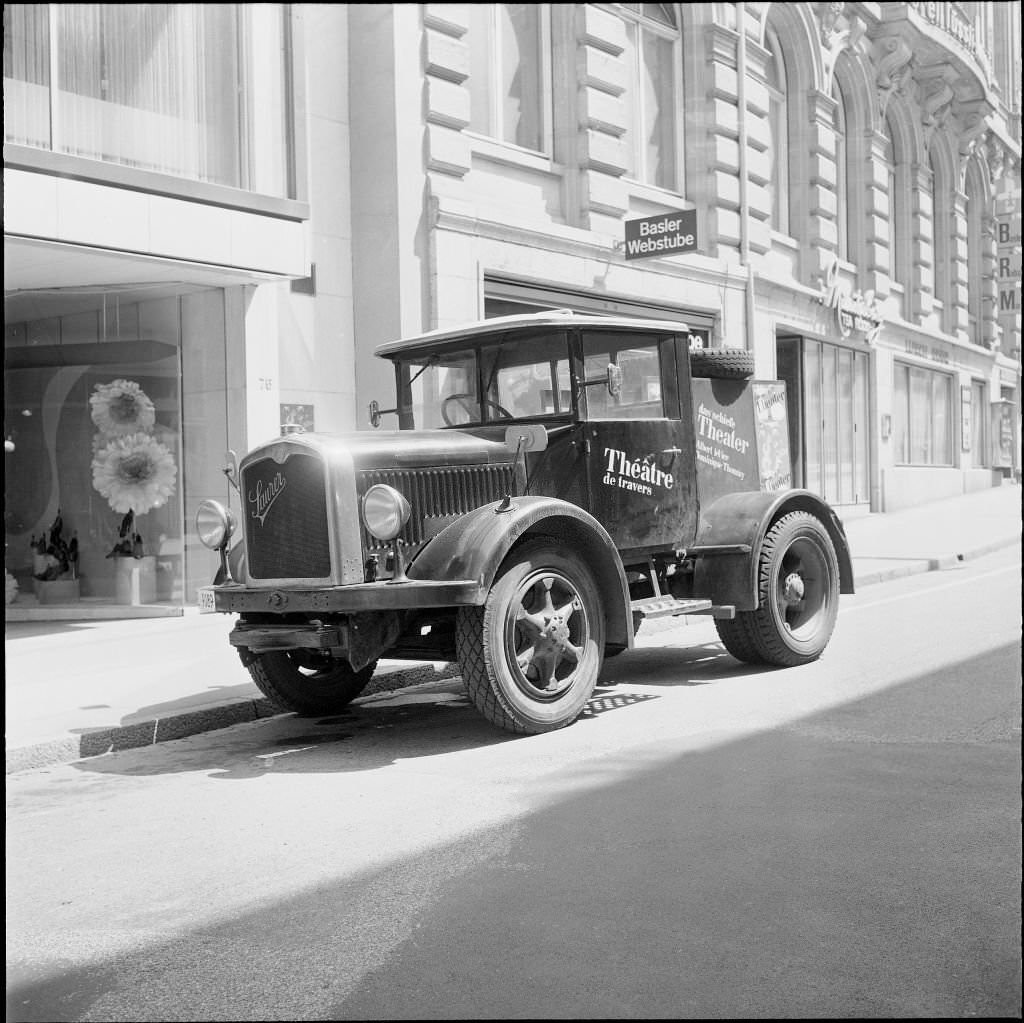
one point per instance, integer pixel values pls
(207, 602)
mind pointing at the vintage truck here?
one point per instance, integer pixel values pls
(554, 480)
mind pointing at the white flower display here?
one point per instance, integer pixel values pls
(10, 588)
(134, 473)
(120, 408)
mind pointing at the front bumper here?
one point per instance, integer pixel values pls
(382, 596)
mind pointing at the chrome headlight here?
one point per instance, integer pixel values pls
(214, 524)
(385, 511)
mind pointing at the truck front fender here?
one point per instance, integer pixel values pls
(743, 519)
(475, 546)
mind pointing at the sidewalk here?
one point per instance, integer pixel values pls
(80, 689)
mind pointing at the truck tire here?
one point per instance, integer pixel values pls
(531, 655)
(307, 682)
(798, 597)
(722, 363)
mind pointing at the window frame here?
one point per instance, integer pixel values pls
(779, 129)
(52, 155)
(904, 417)
(638, 171)
(667, 346)
(495, 131)
(897, 172)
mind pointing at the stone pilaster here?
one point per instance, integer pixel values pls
(601, 151)
(716, 187)
(446, 69)
(877, 266)
(758, 133)
(989, 283)
(959, 291)
(820, 205)
(922, 257)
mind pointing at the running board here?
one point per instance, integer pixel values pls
(665, 607)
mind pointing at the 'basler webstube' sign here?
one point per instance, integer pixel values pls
(663, 235)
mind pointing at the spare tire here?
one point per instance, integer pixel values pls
(722, 363)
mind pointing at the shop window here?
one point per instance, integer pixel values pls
(197, 91)
(922, 416)
(510, 73)
(835, 419)
(654, 95)
(96, 451)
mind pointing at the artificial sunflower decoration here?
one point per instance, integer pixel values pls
(121, 408)
(135, 473)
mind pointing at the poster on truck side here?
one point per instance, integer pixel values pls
(741, 434)
(771, 424)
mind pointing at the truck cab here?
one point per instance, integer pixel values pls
(550, 481)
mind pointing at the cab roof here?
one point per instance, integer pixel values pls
(563, 318)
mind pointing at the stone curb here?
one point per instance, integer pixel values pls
(99, 741)
(209, 719)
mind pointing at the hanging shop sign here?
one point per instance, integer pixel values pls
(855, 312)
(663, 235)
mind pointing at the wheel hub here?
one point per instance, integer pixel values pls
(793, 588)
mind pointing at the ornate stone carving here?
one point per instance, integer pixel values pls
(894, 68)
(839, 31)
(995, 153)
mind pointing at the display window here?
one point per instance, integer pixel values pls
(922, 416)
(828, 384)
(93, 496)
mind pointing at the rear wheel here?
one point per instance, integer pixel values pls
(531, 656)
(308, 682)
(798, 590)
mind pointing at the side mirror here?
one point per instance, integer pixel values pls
(526, 437)
(614, 379)
(231, 469)
(374, 410)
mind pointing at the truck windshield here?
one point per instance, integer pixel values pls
(521, 379)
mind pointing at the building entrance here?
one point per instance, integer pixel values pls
(827, 395)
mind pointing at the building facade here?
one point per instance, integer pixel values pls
(162, 163)
(235, 236)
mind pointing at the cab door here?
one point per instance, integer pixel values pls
(638, 443)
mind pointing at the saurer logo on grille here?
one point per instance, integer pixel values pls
(264, 495)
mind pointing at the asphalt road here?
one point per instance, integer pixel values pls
(838, 840)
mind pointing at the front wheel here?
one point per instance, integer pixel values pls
(798, 591)
(307, 682)
(531, 656)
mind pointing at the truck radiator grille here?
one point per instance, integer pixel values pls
(437, 496)
(286, 518)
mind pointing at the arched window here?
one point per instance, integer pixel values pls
(843, 177)
(510, 73)
(974, 211)
(897, 187)
(654, 95)
(779, 151)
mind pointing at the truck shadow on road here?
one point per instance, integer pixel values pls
(423, 721)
